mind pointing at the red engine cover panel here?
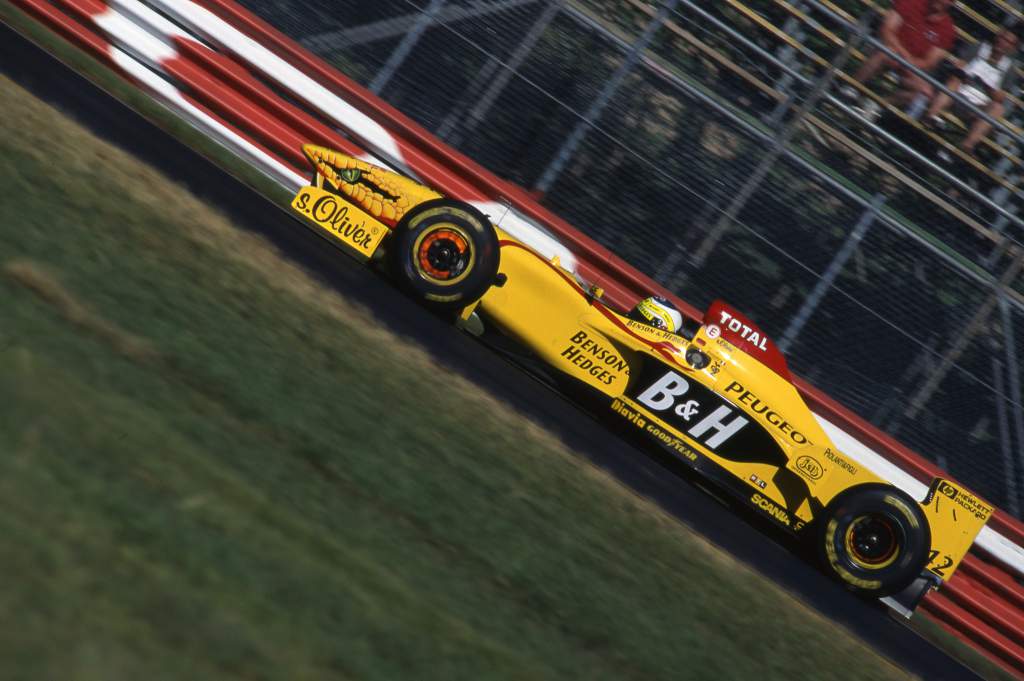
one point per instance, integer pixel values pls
(725, 320)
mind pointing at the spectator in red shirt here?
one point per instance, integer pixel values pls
(919, 31)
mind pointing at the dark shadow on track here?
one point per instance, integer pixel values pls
(744, 537)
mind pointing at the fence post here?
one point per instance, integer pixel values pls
(476, 115)
(867, 218)
(1013, 377)
(1006, 445)
(779, 145)
(568, 147)
(405, 47)
(793, 27)
(1000, 196)
(957, 347)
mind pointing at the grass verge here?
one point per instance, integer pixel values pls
(971, 658)
(203, 476)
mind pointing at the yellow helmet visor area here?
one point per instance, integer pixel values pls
(656, 315)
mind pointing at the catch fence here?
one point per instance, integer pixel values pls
(707, 145)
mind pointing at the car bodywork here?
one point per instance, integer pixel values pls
(739, 420)
(720, 398)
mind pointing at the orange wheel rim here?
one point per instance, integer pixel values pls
(872, 542)
(443, 254)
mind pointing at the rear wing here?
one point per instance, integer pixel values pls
(955, 516)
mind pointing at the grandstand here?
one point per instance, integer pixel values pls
(707, 144)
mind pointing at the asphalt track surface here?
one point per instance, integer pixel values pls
(742, 536)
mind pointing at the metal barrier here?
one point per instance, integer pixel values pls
(235, 92)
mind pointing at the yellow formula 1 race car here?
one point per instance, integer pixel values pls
(716, 395)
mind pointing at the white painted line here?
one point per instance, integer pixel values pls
(527, 232)
(219, 32)
(206, 123)
(135, 40)
(146, 18)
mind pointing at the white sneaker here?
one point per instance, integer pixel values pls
(870, 110)
(849, 93)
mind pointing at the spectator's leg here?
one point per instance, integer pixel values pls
(942, 100)
(913, 86)
(980, 127)
(872, 65)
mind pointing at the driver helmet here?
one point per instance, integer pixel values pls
(658, 312)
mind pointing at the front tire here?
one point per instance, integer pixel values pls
(445, 253)
(875, 539)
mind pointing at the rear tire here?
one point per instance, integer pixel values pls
(445, 253)
(875, 539)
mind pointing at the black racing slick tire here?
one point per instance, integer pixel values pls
(875, 539)
(445, 253)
